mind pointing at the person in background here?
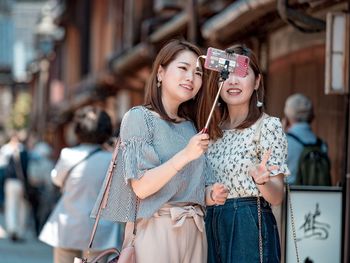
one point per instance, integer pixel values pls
(39, 169)
(299, 114)
(3, 164)
(18, 198)
(79, 172)
(161, 177)
(247, 154)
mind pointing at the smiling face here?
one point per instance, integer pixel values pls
(180, 79)
(237, 91)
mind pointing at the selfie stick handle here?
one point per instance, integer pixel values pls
(223, 76)
(205, 129)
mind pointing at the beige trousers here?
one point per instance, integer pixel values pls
(172, 235)
(64, 255)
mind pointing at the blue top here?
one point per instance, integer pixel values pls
(148, 141)
(303, 131)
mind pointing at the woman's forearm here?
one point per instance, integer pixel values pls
(273, 191)
(154, 179)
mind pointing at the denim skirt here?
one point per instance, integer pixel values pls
(233, 232)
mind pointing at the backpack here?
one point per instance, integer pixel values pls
(314, 167)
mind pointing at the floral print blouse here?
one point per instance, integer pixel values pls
(231, 156)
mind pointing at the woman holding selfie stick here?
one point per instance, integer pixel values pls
(161, 173)
(248, 155)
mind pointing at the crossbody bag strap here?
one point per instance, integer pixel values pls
(76, 164)
(257, 133)
(294, 234)
(296, 138)
(256, 140)
(105, 195)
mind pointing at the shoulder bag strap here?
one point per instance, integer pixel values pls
(79, 162)
(105, 195)
(295, 138)
(256, 140)
(294, 235)
(257, 133)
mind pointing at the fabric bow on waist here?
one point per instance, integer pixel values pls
(179, 215)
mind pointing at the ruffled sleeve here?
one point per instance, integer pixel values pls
(138, 154)
(135, 156)
(273, 137)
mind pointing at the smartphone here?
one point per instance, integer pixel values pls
(216, 60)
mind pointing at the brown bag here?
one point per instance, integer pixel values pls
(127, 254)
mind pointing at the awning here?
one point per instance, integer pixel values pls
(143, 52)
(132, 59)
(235, 17)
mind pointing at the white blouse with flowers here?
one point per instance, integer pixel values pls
(236, 152)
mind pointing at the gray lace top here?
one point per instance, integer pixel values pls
(147, 141)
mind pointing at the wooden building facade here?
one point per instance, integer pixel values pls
(106, 57)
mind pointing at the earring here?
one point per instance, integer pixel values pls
(259, 104)
(159, 83)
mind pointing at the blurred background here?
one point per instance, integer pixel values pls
(57, 56)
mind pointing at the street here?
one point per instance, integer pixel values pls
(31, 250)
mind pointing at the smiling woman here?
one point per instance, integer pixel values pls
(248, 156)
(161, 180)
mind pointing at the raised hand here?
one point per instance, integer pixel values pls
(261, 172)
(197, 145)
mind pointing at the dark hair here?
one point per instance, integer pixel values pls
(92, 125)
(153, 95)
(221, 113)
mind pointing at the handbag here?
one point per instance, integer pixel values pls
(127, 254)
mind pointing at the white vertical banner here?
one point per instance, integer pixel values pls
(318, 225)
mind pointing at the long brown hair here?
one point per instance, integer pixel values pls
(153, 95)
(208, 94)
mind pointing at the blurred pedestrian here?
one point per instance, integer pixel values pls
(248, 155)
(4, 159)
(17, 189)
(39, 169)
(79, 172)
(308, 158)
(161, 171)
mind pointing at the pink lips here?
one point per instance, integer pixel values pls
(186, 86)
(233, 91)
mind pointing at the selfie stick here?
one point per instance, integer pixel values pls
(224, 73)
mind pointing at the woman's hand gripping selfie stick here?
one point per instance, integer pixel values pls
(224, 73)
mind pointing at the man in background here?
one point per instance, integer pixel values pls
(307, 159)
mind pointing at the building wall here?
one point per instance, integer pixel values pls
(297, 64)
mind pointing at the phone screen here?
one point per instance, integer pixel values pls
(216, 60)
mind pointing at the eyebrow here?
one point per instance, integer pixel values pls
(188, 64)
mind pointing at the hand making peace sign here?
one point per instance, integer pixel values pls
(261, 172)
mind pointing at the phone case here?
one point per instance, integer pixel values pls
(216, 59)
